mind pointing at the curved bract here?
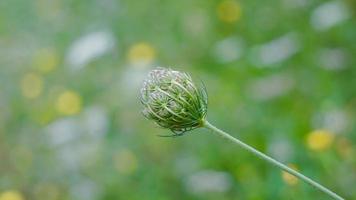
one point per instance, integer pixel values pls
(173, 100)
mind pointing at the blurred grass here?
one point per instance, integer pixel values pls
(276, 72)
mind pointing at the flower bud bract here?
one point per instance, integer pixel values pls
(173, 100)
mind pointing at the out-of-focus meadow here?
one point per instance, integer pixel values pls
(281, 76)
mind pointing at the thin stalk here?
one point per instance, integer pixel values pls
(271, 160)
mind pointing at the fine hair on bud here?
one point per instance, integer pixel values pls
(173, 100)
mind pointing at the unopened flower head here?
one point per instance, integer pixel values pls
(173, 101)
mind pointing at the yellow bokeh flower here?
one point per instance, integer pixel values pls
(125, 162)
(31, 85)
(69, 103)
(11, 195)
(229, 11)
(319, 140)
(141, 53)
(46, 60)
(289, 178)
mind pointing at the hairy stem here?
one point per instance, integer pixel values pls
(271, 160)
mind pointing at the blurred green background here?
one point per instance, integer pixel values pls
(280, 75)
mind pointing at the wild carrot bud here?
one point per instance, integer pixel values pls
(173, 101)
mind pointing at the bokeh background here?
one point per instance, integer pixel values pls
(280, 74)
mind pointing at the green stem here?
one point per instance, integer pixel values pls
(271, 160)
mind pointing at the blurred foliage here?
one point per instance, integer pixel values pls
(280, 74)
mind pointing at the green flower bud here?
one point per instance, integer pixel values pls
(173, 101)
